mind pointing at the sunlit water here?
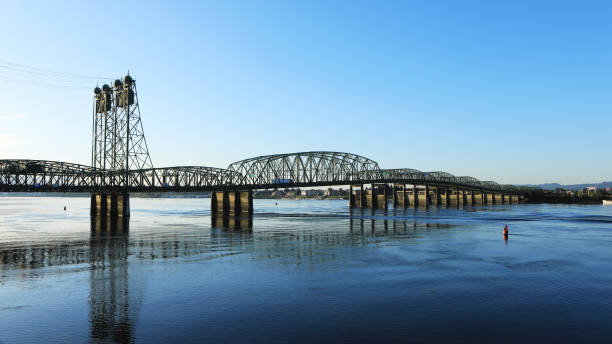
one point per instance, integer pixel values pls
(307, 271)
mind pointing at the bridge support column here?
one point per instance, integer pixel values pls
(479, 198)
(399, 196)
(499, 198)
(413, 197)
(357, 197)
(469, 197)
(434, 197)
(232, 209)
(394, 197)
(442, 197)
(110, 212)
(377, 199)
(453, 198)
(231, 201)
(110, 204)
(424, 197)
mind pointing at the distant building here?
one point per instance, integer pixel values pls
(278, 193)
(291, 193)
(589, 191)
(329, 192)
(333, 192)
(312, 193)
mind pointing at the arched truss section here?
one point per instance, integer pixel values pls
(513, 188)
(468, 181)
(313, 168)
(407, 174)
(183, 178)
(440, 177)
(33, 175)
(490, 185)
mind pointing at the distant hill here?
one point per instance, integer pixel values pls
(552, 186)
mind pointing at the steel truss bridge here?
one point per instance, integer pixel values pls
(306, 169)
(120, 163)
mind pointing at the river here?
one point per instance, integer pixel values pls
(307, 271)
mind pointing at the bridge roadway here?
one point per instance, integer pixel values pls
(306, 169)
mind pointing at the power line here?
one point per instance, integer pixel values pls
(43, 84)
(31, 69)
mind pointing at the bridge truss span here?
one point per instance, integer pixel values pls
(305, 169)
(42, 175)
(183, 178)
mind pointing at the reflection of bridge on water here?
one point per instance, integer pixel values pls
(114, 300)
(121, 164)
(101, 246)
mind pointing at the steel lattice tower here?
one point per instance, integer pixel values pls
(119, 144)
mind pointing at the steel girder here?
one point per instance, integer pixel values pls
(467, 180)
(491, 185)
(184, 178)
(305, 168)
(407, 174)
(440, 177)
(271, 171)
(42, 175)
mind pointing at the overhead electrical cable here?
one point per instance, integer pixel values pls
(23, 67)
(15, 72)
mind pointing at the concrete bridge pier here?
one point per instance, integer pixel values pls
(377, 197)
(498, 198)
(413, 198)
(434, 197)
(469, 197)
(357, 196)
(110, 212)
(452, 200)
(423, 197)
(479, 198)
(400, 196)
(231, 209)
(110, 204)
(231, 202)
(444, 198)
(460, 198)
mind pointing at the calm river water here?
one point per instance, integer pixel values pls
(307, 271)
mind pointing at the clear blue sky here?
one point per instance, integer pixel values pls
(516, 91)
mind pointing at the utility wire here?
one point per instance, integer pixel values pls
(31, 69)
(14, 72)
(38, 83)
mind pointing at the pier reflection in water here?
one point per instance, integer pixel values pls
(112, 313)
(173, 274)
(114, 306)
